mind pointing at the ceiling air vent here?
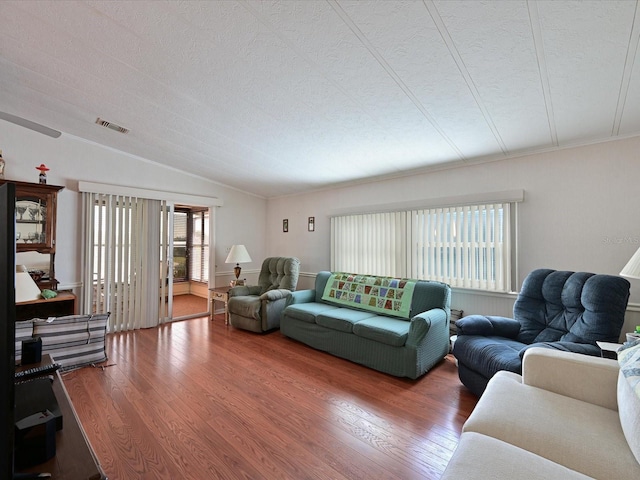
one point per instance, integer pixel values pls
(112, 126)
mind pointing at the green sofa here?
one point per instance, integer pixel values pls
(399, 332)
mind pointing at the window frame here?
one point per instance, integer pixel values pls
(402, 247)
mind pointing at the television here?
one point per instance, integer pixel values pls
(7, 325)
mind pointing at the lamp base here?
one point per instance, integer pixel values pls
(237, 270)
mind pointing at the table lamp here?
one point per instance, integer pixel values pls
(26, 288)
(238, 254)
(632, 268)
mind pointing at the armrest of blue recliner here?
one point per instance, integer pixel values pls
(488, 326)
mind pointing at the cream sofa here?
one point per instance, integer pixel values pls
(568, 416)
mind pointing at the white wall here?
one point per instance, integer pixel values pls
(581, 212)
(240, 220)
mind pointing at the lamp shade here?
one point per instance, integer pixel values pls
(26, 288)
(238, 254)
(632, 268)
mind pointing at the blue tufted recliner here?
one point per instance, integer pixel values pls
(563, 310)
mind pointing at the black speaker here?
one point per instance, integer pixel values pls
(35, 440)
(31, 351)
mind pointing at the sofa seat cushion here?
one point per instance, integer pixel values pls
(579, 435)
(307, 312)
(390, 331)
(342, 319)
(479, 457)
(246, 306)
(488, 355)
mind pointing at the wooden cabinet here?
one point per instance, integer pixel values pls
(36, 210)
(60, 306)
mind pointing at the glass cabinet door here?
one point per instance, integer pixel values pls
(36, 217)
(36, 206)
(32, 225)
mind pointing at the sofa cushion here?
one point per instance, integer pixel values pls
(489, 354)
(341, 319)
(479, 457)
(390, 331)
(629, 395)
(579, 435)
(307, 312)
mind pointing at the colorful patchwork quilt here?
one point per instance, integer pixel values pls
(385, 295)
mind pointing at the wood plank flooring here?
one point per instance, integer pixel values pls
(199, 400)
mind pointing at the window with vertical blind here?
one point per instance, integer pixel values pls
(180, 224)
(199, 248)
(191, 245)
(468, 246)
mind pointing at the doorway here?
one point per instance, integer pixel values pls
(190, 263)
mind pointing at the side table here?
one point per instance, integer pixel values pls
(609, 349)
(220, 294)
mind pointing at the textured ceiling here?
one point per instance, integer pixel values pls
(279, 97)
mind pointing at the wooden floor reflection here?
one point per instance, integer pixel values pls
(198, 400)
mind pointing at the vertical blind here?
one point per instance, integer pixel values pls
(125, 259)
(464, 246)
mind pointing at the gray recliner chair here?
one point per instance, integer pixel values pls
(258, 308)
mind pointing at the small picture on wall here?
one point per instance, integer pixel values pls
(312, 224)
(285, 225)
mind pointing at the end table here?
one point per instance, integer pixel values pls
(608, 349)
(220, 294)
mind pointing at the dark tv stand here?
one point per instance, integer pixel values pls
(74, 459)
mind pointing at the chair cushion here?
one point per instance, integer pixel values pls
(575, 307)
(488, 355)
(246, 306)
(390, 331)
(479, 457)
(579, 435)
(279, 272)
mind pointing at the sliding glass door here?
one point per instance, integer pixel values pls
(190, 262)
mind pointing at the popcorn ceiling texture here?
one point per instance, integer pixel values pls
(276, 98)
